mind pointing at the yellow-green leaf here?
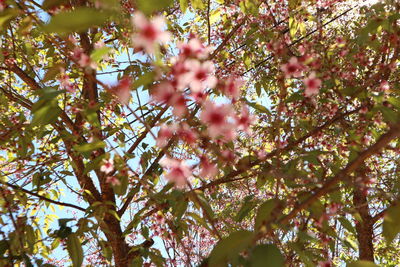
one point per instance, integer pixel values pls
(230, 247)
(198, 4)
(48, 4)
(75, 250)
(362, 264)
(264, 212)
(183, 5)
(391, 223)
(77, 20)
(90, 146)
(266, 256)
(150, 6)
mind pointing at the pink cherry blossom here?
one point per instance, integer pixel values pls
(216, 118)
(166, 93)
(165, 134)
(199, 96)
(83, 59)
(123, 90)
(325, 264)
(340, 41)
(113, 180)
(179, 106)
(150, 32)
(187, 134)
(194, 48)
(228, 155)
(282, 144)
(65, 82)
(99, 44)
(178, 171)
(108, 166)
(232, 88)
(2, 5)
(363, 110)
(201, 75)
(180, 74)
(261, 154)
(384, 86)
(245, 120)
(293, 68)
(207, 169)
(312, 84)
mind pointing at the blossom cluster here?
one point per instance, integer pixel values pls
(294, 69)
(190, 79)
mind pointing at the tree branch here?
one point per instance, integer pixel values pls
(43, 197)
(383, 141)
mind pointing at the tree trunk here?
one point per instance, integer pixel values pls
(365, 227)
(117, 241)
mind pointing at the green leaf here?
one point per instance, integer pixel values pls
(230, 247)
(394, 101)
(90, 146)
(362, 264)
(75, 250)
(259, 107)
(46, 114)
(52, 72)
(157, 259)
(183, 5)
(389, 115)
(49, 4)
(244, 210)
(347, 225)
(122, 187)
(136, 262)
(293, 26)
(249, 7)
(266, 256)
(46, 109)
(77, 20)
(3, 247)
(150, 6)
(316, 208)
(180, 208)
(293, 4)
(198, 219)
(98, 54)
(312, 156)
(198, 4)
(391, 223)
(93, 164)
(294, 97)
(264, 212)
(144, 80)
(48, 93)
(7, 15)
(30, 237)
(258, 89)
(106, 249)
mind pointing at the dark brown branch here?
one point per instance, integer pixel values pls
(43, 197)
(382, 142)
(228, 37)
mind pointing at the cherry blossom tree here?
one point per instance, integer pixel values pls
(199, 133)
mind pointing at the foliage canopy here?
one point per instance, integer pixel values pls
(199, 133)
